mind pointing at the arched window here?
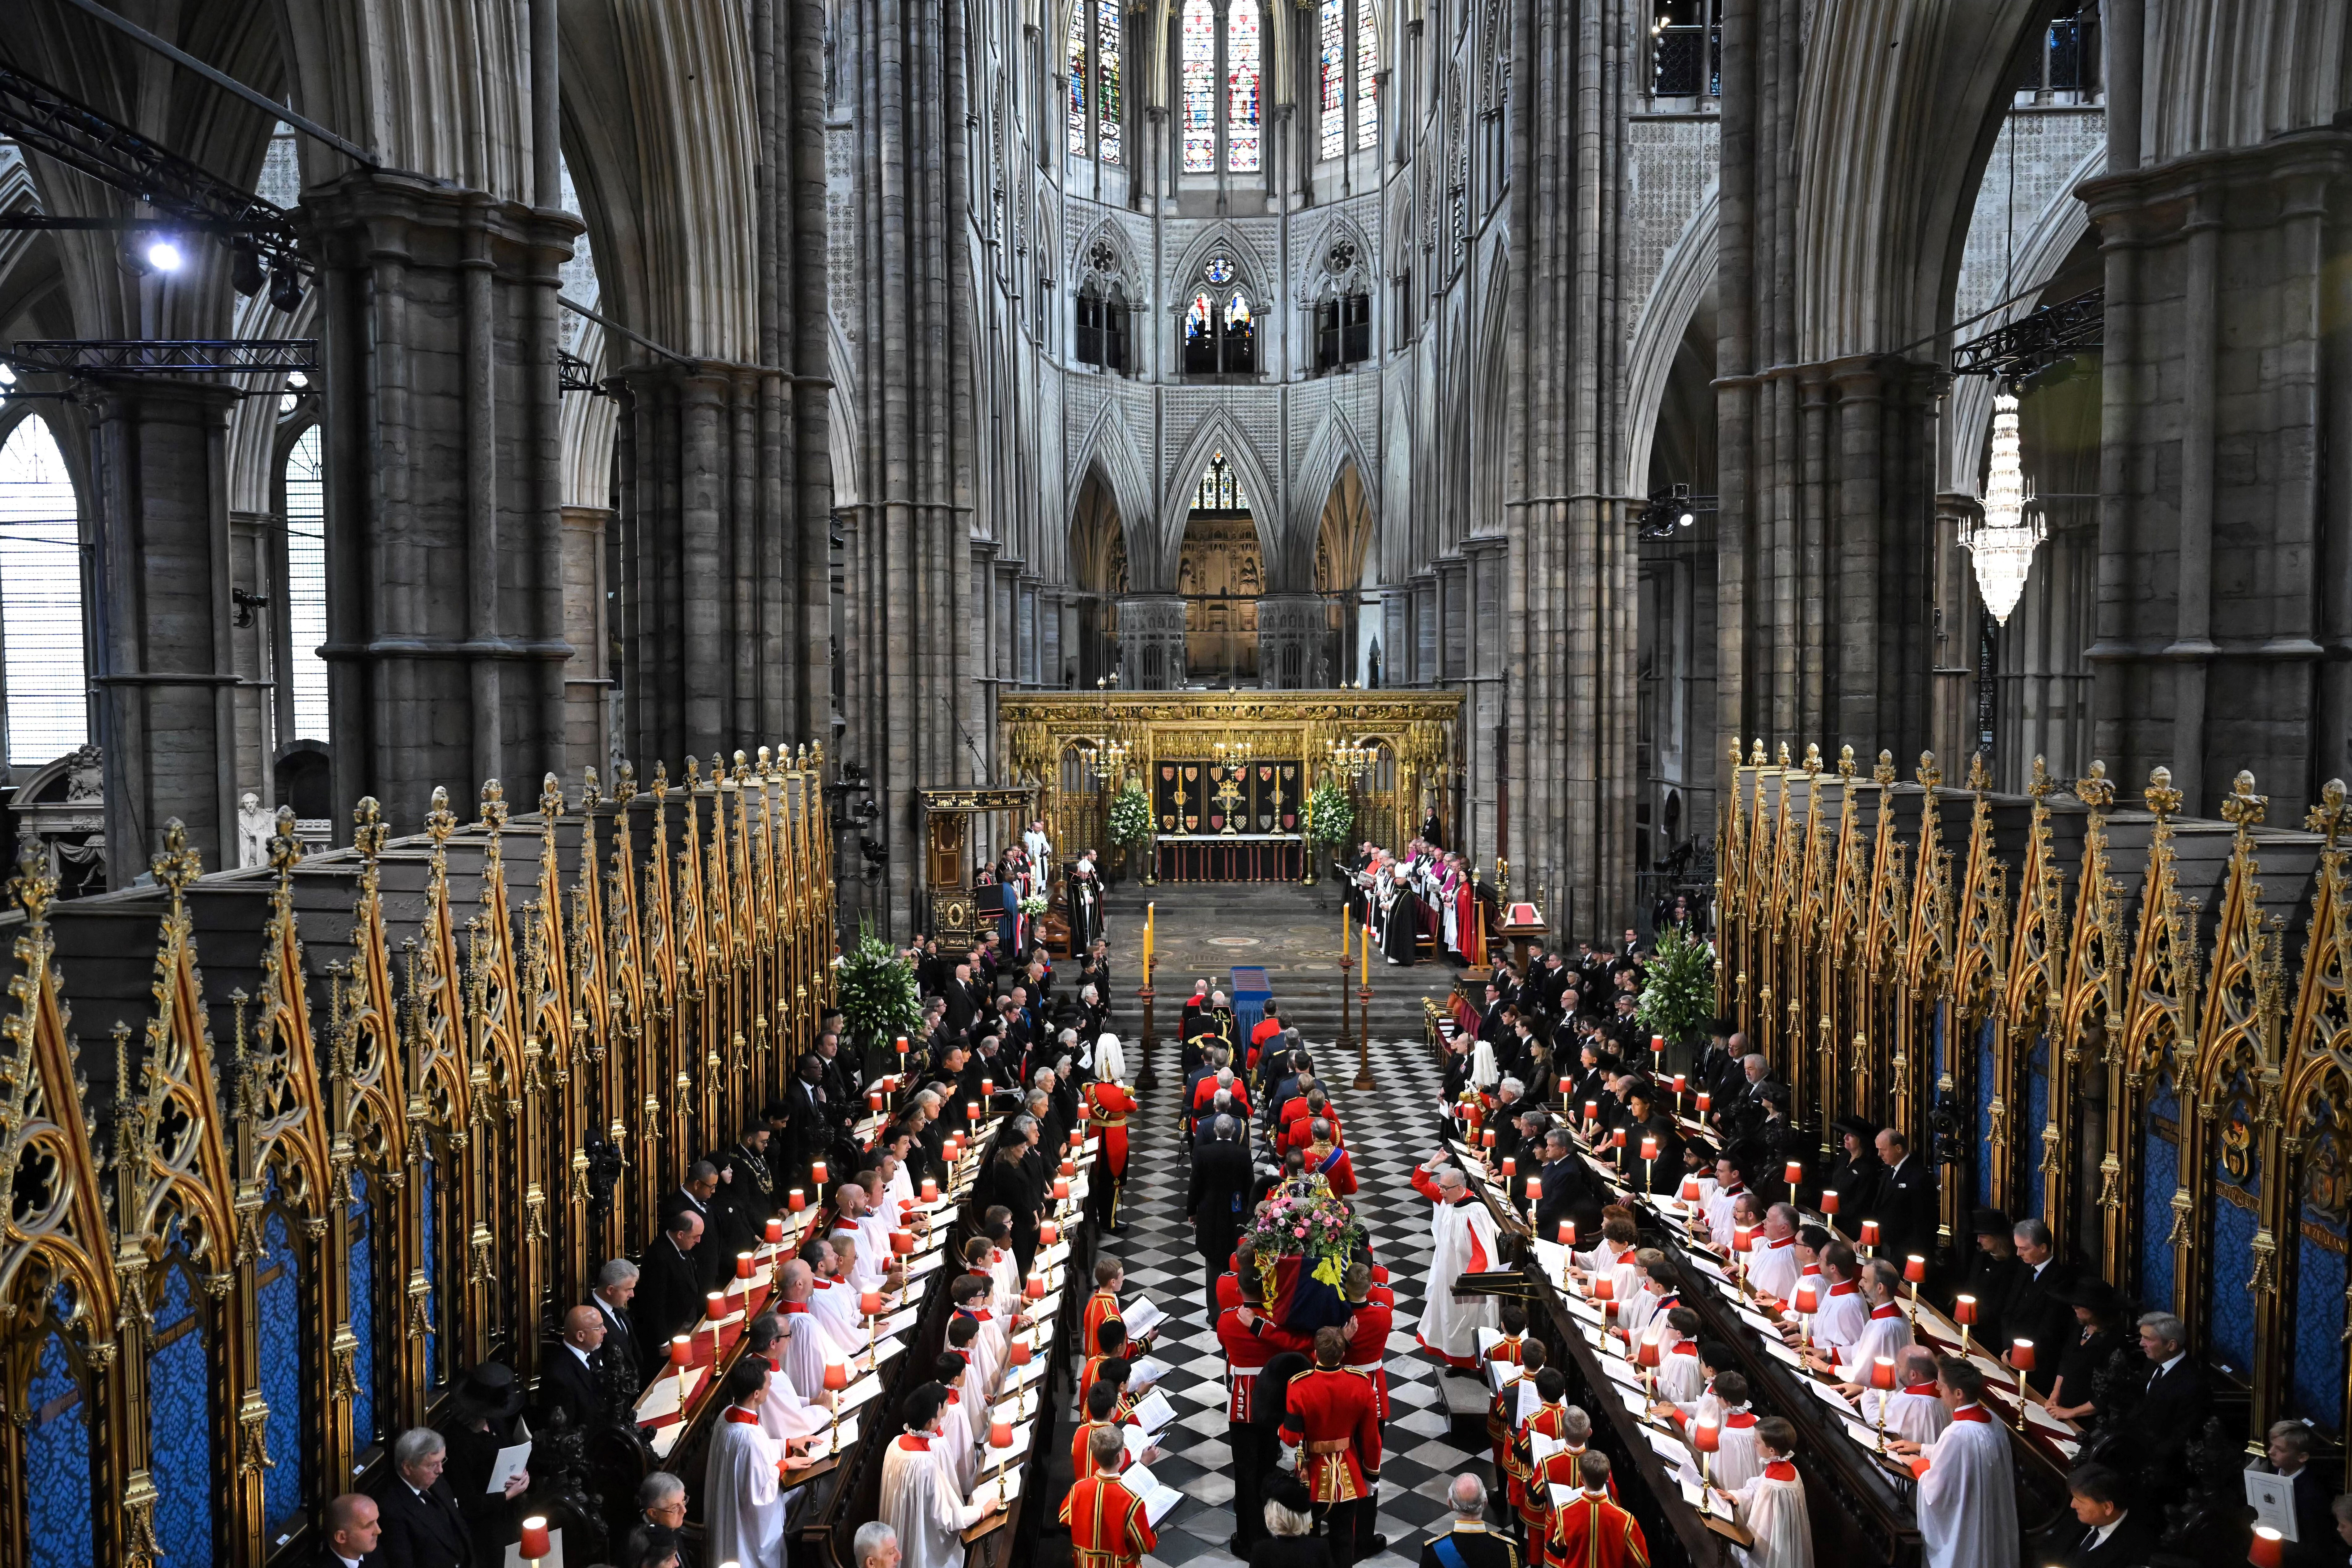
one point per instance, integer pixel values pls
(1343, 309)
(1102, 324)
(306, 582)
(1091, 56)
(1242, 75)
(1220, 332)
(1199, 83)
(1348, 58)
(1368, 71)
(1331, 64)
(43, 679)
(1220, 489)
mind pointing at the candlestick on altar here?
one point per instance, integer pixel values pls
(1807, 1301)
(681, 1357)
(836, 1380)
(1795, 1172)
(1964, 1312)
(1882, 1378)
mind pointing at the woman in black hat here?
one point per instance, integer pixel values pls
(1854, 1177)
(477, 1423)
(2097, 1310)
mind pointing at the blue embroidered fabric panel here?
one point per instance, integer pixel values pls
(2238, 1186)
(2159, 1176)
(2037, 1117)
(1980, 1064)
(429, 1207)
(283, 1486)
(363, 1295)
(2315, 1380)
(180, 1425)
(56, 1463)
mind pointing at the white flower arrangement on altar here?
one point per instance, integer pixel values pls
(1032, 906)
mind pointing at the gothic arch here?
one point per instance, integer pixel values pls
(1218, 431)
(1684, 277)
(1109, 452)
(1332, 449)
(1184, 276)
(1314, 272)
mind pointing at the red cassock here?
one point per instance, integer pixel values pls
(1108, 1525)
(1108, 1106)
(1560, 1470)
(1101, 1308)
(1333, 1421)
(1594, 1532)
(1082, 1460)
(1368, 1349)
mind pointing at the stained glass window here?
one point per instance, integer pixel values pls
(1220, 489)
(1242, 87)
(1368, 66)
(363, 1296)
(306, 581)
(1075, 58)
(41, 595)
(280, 1299)
(56, 1463)
(1331, 61)
(1200, 80)
(1106, 104)
(179, 1416)
(1220, 270)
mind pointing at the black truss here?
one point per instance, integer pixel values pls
(2051, 335)
(163, 356)
(46, 121)
(573, 374)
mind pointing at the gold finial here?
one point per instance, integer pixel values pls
(2038, 783)
(34, 884)
(625, 784)
(767, 763)
(494, 804)
(661, 779)
(1756, 753)
(1929, 774)
(2327, 816)
(178, 865)
(1813, 757)
(2162, 798)
(1979, 774)
(1782, 756)
(1883, 773)
(718, 770)
(693, 771)
(440, 821)
(1846, 764)
(2244, 808)
(742, 765)
(816, 755)
(284, 846)
(368, 831)
(591, 797)
(550, 799)
(1735, 753)
(2096, 789)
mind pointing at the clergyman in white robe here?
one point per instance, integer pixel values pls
(742, 1494)
(785, 1412)
(920, 1500)
(805, 1350)
(1913, 1414)
(1843, 1315)
(1772, 1266)
(1464, 1233)
(1968, 1500)
(1771, 1508)
(834, 1304)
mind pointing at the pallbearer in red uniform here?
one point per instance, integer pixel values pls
(1369, 1344)
(1592, 1531)
(1333, 1422)
(1109, 1102)
(1108, 1525)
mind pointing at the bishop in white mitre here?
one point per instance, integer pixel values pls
(742, 1485)
(1771, 1508)
(1464, 1233)
(1967, 1500)
(919, 1498)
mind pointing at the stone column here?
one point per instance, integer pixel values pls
(444, 537)
(1150, 642)
(587, 683)
(165, 653)
(1290, 638)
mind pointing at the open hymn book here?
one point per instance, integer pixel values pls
(1157, 1498)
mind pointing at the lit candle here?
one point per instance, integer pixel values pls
(1347, 925)
(1702, 1103)
(681, 1351)
(1829, 1200)
(1487, 1139)
(773, 1232)
(1647, 1354)
(1021, 1351)
(1069, 1167)
(902, 1045)
(817, 1175)
(2269, 1549)
(1568, 1233)
(1964, 1308)
(1604, 1289)
(1807, 1296)
(796, 1200)
(870, 1303)
(1591, 1111)
(1657, 1044)
(742, 1265)
(1704, 1437)
(2020, 1355)
(1000, 1434)
(874, 1101)
(1617, 1138)
(535, 1543)
(1915, 1269)
(836, 1376)
(971, 1111)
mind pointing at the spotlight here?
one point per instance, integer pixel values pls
(285, 288)
(164, 254)
(244, 270)
(1686, 519)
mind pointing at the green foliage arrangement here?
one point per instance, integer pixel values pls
(1131, 816)
(1678, 996)
(1331, 818)
(875, 987)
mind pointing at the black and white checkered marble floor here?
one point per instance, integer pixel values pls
(1388, 1131)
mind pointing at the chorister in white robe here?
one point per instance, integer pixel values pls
(1738, 1460)
(1464, 1233)
(922, 1503)
(1636, 1314)
(867, 1268)
(1680, 1376)
(1968, 1500)
(957, 1443)
(899, 1190)
(1843, 1316)
(742, 1496)
(805, 1350)
(1886, 1332)
(1004, 1274)
(834, 1303)
(1772, 1266)
(1719, 1222)
(984, 1363)
(783, 1413)
(1914, 1415)
(1771, 1508)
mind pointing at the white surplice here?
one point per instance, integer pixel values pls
(742, 1500)
(1737, 1459)
(1680, 1376)
(1772, 1508)
(805, 1350)
(785, 1412)
(920, 1502)
(1843, 1312)
(1967, 1499)
(1918, 1418)
(1885, 1332)
(1772, 1266)
(956, 1446)
(1464, 1233)
(834, 1304)
(1720, 1225)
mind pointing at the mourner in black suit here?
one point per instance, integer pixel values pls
(2037, 1308)
(1905, 1204)
(421, 1524)
(616, 1284)
(1219, 1201)
(2172, 1408)
(1993, 1278)
(352, 1525)
(669, 1289)
(476, 1421)
(567, 1382)
(2114, 1534)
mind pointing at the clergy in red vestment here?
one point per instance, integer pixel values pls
(1108, 1525)
(1592, 1530)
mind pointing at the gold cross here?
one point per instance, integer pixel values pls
(1228, 795)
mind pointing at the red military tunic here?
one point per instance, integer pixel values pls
(1082, 1460)
(1551, 1420)
(1298, 1132)
(1107, 1107)
(1088, 1373)
(1334, 1422)
(1108, 1525)
(1101, 1308)
(1594, 1532)
(1206, 1093)
(1336, 1168)
(1560, 1470)
(1499, 1407)
(1368, 1349)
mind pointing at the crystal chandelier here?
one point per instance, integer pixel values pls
(2004, 542)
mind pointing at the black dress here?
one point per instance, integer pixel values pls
(1291, 1552)
(2079, 1360)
